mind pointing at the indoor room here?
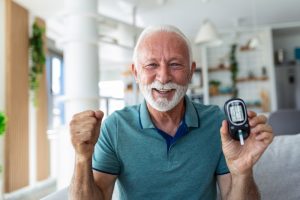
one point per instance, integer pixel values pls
(59, 58)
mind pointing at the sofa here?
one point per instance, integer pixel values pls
(277, 173)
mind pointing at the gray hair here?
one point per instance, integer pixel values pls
(161, 28)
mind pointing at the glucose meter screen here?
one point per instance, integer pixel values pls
(236, 112)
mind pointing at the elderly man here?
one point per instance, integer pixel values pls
(168, 147)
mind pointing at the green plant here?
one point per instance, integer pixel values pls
(3, 120)
(234, 69)
(214, 83)
(38, 59)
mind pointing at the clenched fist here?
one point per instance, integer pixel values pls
(85, 129)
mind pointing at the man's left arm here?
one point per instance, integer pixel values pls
(240, 187)
(240, 159)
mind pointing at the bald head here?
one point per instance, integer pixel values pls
(152, 30)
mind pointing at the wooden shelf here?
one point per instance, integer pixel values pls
(218, 69)
(262, 78)
(220, 94)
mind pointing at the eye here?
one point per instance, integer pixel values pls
(151, 65)
(175, 65)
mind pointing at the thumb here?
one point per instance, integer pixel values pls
(99, 115)
(225, 136)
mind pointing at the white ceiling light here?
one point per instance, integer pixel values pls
(254, 41)
(207, 33)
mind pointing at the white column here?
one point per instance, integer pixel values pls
(205, 75)
(81, 56)
(81, 74)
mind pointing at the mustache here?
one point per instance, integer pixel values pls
(159, 86)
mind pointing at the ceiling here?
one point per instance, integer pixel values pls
(185, 14)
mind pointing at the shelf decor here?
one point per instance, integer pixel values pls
(38, 59)
(234, 70)
(214, 87)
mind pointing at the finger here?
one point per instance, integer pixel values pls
(265, 137)
(261, 128)
(251, 114)
(260, 119)
(85, 132)
(84, 136)
(87, 113)
(225, 137)
(85, 128)
(99, 114)
(82, 121)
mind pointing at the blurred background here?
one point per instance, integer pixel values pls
(60, 57)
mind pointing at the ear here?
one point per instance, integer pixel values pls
(193, 67)
(134, 72)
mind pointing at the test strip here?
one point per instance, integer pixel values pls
(241, 137)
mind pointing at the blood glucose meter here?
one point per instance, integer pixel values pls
(238, 125)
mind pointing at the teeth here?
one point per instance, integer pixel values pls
(163, 90)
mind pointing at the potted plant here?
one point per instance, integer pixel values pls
(234, 69)
(38, 59)
(3, 120)
(214, 87)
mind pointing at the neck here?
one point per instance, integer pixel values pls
(168, 121)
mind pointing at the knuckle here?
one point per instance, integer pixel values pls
(89, 112)
(263, 118)
(77, 115)
(270, 128)
(83, 114)
(260, 126)
(72, 122)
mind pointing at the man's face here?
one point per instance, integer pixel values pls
(163, 70)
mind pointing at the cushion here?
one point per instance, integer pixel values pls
(277, 173)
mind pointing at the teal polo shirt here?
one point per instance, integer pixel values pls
(131, 147)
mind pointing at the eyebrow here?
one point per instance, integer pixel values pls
(179, 58)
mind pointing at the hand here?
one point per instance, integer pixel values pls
(241, 158)
(85, 130)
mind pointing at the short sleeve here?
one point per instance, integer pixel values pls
(222, 166)
(105, 157)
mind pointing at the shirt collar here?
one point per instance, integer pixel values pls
(145, 120)
(191, 115)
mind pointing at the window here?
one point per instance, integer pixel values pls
(56, 89)
(111, 96)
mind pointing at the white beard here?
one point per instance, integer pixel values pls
(163, 104)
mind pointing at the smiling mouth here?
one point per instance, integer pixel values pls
(163, 91)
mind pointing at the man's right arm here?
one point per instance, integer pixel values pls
(87, 184)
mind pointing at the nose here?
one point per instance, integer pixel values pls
(163, 74)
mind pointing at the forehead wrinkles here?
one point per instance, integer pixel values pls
(160, 43)
(147, 48)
